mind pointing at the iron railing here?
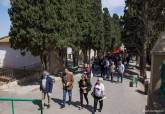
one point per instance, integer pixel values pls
(23, 99)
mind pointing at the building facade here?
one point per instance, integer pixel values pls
(11, 58)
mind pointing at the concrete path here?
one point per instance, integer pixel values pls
(121, 99)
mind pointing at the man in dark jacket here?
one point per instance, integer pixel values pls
(46, 86)
(102, 67)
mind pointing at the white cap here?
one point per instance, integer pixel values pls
(45, 73)
(100, 79)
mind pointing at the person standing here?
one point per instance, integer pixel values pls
(112, 70)
(88, 70)
(98, 94)
(128, 59)
(102, 66)
(46, 86)
(94, 68)
(120, 70)
(85, 87)
(67, 82)
(106, 69)
(116, 59)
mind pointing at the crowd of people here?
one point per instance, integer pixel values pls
(85, 85)
(112, 65)
(108, 66)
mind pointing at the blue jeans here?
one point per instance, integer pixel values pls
(64, 96)
(106, 72)
(120, 75)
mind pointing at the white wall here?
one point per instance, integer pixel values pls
(13, 59)
(69, 53)
(91, 54)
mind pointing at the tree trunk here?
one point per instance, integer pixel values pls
(64, 56)
(100, 53)
(143, 62)
(144, 40)
(45, 63)
(75, 57)
(66, 59)
(89, 56)
(56, 61)
(85, 55)
(136, 59)
(95, 53)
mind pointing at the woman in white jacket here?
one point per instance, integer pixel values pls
(98, 94)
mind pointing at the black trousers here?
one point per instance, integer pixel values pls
(96, 100)
(44, 94)
(102, 72)
(112, 74)
(85, 96)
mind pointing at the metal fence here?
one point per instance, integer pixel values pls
(38, 101)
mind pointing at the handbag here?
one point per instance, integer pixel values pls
(92, 94)
(91, 74)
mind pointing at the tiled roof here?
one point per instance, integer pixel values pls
(4, 39)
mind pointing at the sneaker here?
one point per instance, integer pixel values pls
(80, 107)
(69, 103)
(62, 107)
(41, 108)
(48, 106)
(99, 110)
(45, 104)
(87, 104)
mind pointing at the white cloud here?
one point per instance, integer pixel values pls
(112, 5)
(5, 3)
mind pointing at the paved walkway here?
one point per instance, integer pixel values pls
(121, 99)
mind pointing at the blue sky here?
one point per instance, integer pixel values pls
(114, 6)
(4, 18)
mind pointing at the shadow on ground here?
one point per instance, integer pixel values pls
(58, 101)
(38, 103)
(73, 103)
(141, 92)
